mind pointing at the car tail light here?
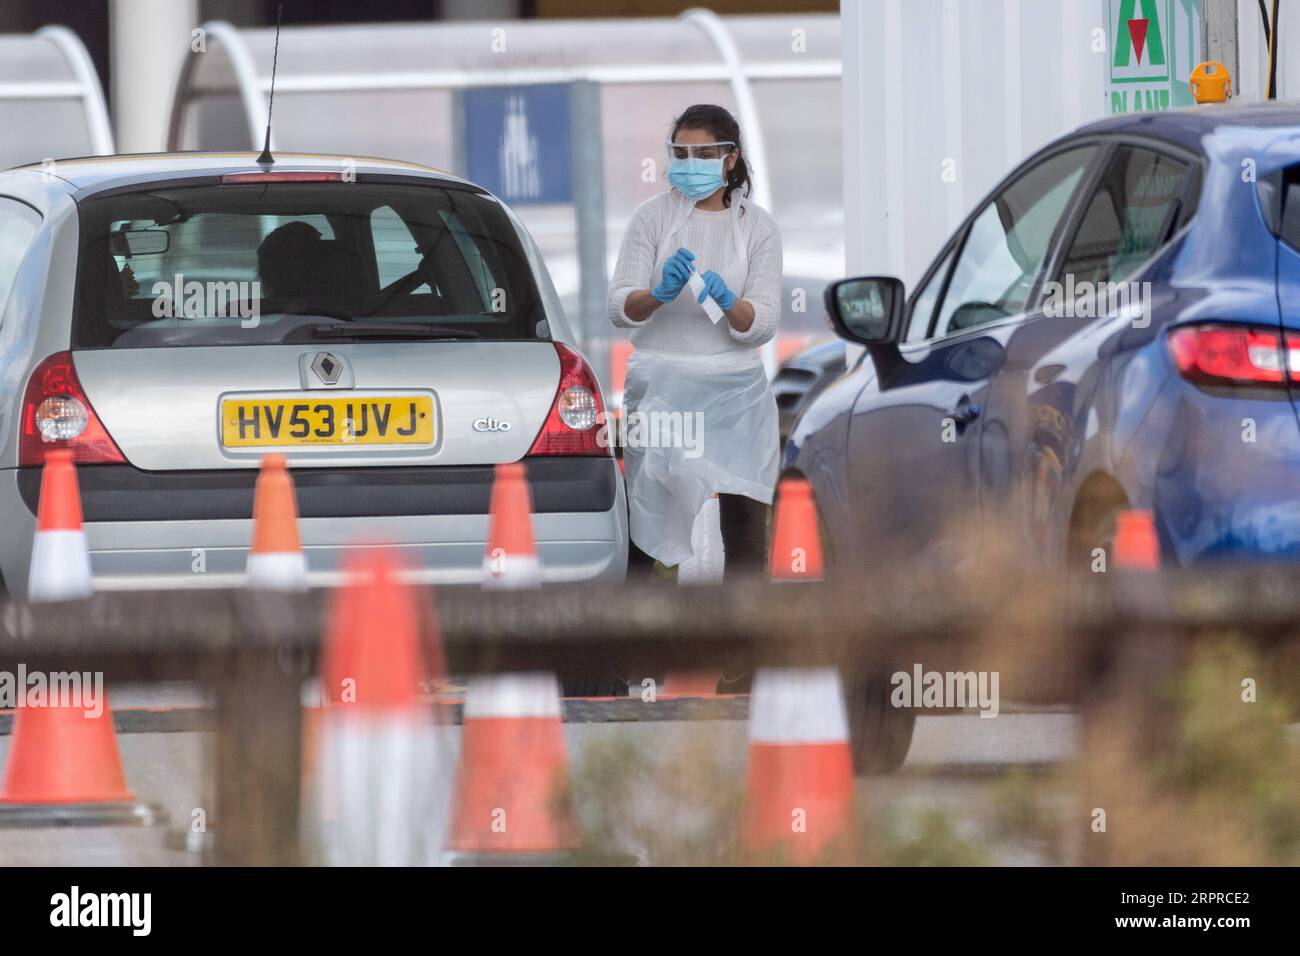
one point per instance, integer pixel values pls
(57, 414)
(1235, 355)
(576, 421)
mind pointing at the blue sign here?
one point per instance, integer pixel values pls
(517, 142)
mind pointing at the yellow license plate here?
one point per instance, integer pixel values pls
(388, 420)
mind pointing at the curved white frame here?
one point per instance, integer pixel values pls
(86, 87)
(750, 121)
(254, 89)
(241, 64)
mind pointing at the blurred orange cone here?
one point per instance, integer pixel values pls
(796, 553)
(512, 786)
(690, 684)
(371, 657)
(275, 559)
(381, 765)
(62, 752)
(1137, 546)
(512, 789)
(800, 776)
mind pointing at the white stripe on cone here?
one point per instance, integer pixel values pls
(384, 783)
(513, 695)
(277, 570)
(797, 705)
(60, 569)
(511, 571)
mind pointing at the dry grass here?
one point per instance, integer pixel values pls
(1226, 793)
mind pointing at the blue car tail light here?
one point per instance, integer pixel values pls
(1235, 355)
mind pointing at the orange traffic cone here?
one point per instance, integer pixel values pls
(62, 752)
(796, 553)
(510, 561)
(800, 776)
(1137, 546)
(690, 684)
(384, 767)
(275, 559)
(276, 563)
(60, 568)
(512, 786)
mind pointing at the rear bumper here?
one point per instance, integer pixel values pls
(1224, 475)
(113, 493)
(436, 548)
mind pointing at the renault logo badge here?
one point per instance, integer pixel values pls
(328, 367)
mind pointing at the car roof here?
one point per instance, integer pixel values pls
(91, 174)
(1189, 128)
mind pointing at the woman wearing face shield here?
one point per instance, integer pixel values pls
(698, 282)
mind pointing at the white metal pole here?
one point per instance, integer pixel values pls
(751, 123)
(92, 94)
(148, 39)
(867, 247)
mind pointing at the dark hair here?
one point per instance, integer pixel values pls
(722, 126)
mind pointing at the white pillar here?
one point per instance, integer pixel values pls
(148, 41)
(873, 226)
(1219, 35)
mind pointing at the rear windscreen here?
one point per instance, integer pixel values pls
(239, 264)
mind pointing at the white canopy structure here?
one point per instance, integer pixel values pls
(389, 90)
(51, 103)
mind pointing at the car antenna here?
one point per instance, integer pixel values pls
(266, 159)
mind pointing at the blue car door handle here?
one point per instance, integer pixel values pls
(965, 412)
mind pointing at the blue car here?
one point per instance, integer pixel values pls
(1115, 326)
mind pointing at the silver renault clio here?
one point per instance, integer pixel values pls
(391, 329)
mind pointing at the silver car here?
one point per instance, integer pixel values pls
(389, 328)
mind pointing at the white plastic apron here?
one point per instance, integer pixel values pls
(708, 422)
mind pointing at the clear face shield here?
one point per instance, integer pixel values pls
(709, 151)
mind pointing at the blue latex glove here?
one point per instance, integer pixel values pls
(677, 270)
(715, 288)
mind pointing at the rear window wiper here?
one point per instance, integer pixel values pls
(368, 330)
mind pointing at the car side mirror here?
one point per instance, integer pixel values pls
(867, 309)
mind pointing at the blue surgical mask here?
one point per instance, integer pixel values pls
(695, 178)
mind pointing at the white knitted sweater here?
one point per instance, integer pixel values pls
(682, 325)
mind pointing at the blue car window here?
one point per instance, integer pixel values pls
(926, 299)
(1127, 218)
(1008, 243)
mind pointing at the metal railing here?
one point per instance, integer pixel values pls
(1053, 640)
